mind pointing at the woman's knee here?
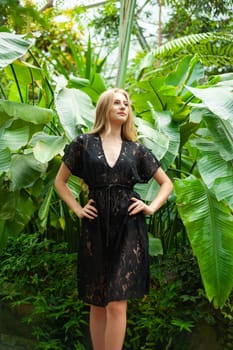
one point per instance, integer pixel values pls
(117, 308)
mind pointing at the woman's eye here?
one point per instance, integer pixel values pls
(119, 102)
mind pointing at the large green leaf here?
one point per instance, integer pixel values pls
(45, 146)
(27, 83)
(147, 191)
(186, 130)
(156, 141)
(215, 146)
(12, 47)
(209, 225)
(218, 99)
(223, 189)
(14, 139)
(25, 171)
(148, 91)
(166, 126)
(188, 71)
(16, 209)
(75, 110)
(222, 133)
(25, 72)
(26, 112)
(211, 167)
(160, 97)
(92, 88)
(24, 209)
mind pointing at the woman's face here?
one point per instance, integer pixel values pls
(119, 110)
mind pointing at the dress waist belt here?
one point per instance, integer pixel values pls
(108, 188)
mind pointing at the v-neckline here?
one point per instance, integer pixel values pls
(104, 155)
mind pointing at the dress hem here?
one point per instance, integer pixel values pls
(112, 300)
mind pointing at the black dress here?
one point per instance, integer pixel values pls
(113, 252)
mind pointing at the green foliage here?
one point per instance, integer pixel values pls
(212, 49)
(175, 309)
(107, 20)
(31, 138)
(17, 47)
(193, 133)
(197, 17)
(212, 220)
(42, 273)
(16, 16)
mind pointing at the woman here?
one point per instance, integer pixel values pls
(113, 253)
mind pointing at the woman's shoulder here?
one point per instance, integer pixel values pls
(81, 138)
(135, 145)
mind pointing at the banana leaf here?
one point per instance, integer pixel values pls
(12, 47)
(75, 111)
(209, 225)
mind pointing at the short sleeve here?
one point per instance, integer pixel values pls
(73, 156)
(148, 164)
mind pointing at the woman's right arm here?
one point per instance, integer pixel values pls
(88, 211)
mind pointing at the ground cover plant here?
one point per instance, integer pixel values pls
(41, 273)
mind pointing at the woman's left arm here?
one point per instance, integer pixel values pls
(165, 189)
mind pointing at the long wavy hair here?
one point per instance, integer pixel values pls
(104, 104)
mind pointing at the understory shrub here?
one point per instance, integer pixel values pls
(175, 310)
(42, 273)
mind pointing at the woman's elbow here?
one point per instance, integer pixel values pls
(167, 186)
(57, 184)
(171, 187)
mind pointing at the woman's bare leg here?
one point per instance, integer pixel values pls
(97, 326)
(108, 325)
(116, 325)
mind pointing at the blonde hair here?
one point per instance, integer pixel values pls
(104, 104)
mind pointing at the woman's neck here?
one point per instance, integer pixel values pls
(112, 134)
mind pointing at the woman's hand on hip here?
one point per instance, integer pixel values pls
(137, 206)
(89, 211)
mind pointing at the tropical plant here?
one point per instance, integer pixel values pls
(199, 147)
(32, 136)
(212, 49)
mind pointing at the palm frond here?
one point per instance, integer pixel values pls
(192, 41)
(213, 50)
